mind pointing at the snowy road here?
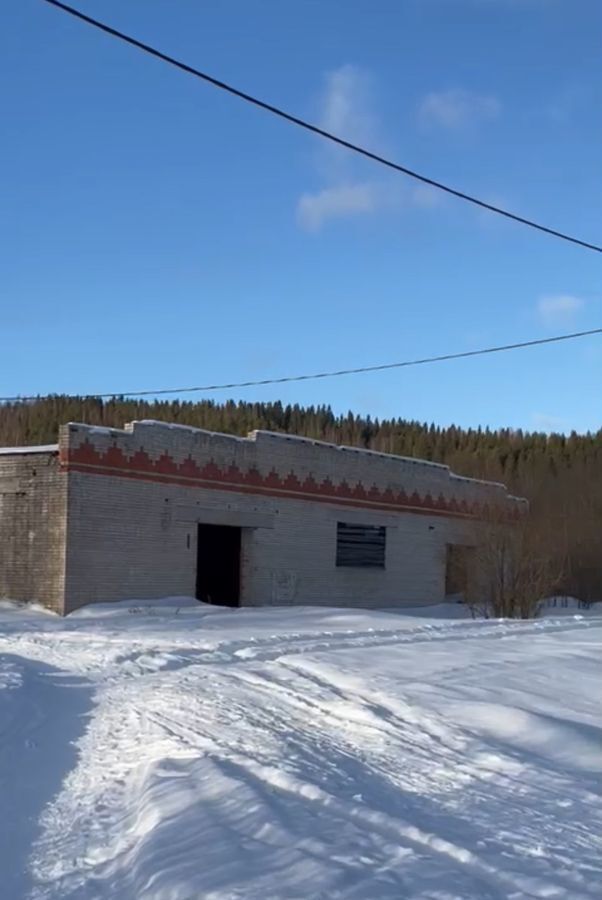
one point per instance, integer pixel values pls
(177, 754)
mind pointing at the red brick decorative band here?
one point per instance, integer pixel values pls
(164, 470)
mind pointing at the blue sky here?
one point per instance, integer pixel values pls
(156, 232)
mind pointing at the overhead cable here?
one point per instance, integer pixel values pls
(308, 126)
(207, 388)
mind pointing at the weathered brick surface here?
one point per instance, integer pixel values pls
(134, 540)
(132, 531)
(270, 463)
(114, 515)
(33, 493)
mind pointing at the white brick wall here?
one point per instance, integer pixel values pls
(127, 541)
(134, 538)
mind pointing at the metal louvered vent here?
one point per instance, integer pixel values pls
(361, 546)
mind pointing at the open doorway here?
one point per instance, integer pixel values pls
(218, 565)
(458, 570)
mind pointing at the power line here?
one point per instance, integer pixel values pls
(334, 374)
(308, 126)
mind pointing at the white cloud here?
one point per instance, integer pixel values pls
(345, 109)
(346, 105)
(313, 210)
(457, 108)
(558, 309)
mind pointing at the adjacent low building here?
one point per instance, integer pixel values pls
(158, 510)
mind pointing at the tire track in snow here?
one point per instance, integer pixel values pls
(235, 652)
(152, 653)
(261, 709)
(390, 827)
(513, 884)
(315, 745)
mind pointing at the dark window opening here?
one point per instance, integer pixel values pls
(458, 569)
(361, 546)
(218, 565)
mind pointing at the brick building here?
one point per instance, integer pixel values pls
(155, 510)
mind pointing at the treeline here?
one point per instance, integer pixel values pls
(560, 474)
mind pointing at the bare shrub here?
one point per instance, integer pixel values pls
(515, 568)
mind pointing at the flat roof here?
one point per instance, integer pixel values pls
(41, 448)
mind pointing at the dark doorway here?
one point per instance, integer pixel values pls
(218, 565)
(458, 571)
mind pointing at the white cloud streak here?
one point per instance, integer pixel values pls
(342, 201)
(558, 309)
(346, 105)
(346, 109)
(456, 109)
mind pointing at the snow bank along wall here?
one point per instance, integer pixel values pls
(156, 509)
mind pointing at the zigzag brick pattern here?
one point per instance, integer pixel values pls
(164, 469)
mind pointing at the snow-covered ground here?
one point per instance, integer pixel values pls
(179, 752)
